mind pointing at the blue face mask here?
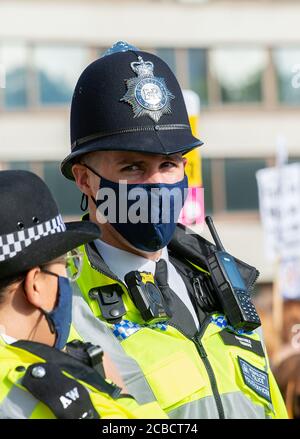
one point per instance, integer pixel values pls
(147, 220)
(60, 318)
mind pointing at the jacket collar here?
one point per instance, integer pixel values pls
(184, 245)
(196, 249)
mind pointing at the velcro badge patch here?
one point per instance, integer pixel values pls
(241, 341)
(256, 379)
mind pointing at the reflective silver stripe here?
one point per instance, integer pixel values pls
(204, 408)
(238, 406)
(18, 404)
(92, 329)
(260, 332)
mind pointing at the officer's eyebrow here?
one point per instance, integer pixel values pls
(126, 161)
(175, 157)
(130, 162)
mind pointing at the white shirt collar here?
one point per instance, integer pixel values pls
(7, 338)
(122, 262)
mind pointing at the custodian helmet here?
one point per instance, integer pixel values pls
(128, 100)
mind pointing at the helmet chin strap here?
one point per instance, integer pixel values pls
(84, 202)
(84, 198)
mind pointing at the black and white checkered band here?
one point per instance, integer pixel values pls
(14, 243)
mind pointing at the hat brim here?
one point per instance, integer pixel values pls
(50, 247)
(153, 142)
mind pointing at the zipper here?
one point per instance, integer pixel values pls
(211, 376)
(203, 355)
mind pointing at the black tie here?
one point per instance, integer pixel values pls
(181, 316)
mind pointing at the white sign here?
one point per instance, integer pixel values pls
(279, 203)
(289, 278)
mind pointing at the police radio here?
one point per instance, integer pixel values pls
(230, 287)
(146, 296)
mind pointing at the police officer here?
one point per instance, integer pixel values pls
(37, 379)
(129, 133)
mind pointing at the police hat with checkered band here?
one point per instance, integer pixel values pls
(128, 100)
(32, 231)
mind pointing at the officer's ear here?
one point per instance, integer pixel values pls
(34, 287)
(82, 178)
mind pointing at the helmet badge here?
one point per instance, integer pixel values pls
(147, 94)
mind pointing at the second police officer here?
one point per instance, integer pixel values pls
(146, 278)
(41, 376)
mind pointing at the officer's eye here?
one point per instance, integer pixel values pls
(131, 168)
(169, 165)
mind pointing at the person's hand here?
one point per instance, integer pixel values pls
(112, 373)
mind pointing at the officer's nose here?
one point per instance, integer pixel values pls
(154, 177)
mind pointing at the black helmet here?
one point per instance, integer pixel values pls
(128, 100)
(32, 231)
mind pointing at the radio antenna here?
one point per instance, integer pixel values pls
(214, 234)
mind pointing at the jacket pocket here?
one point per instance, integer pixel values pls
(174, 379)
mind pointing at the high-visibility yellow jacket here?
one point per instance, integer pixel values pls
(17, 402)
(216, 372)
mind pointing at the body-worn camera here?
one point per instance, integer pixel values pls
(87, 353)
(146, 296)
(229, 286)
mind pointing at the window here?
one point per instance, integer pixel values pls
(287, 66)
(13, 57)
(168, 55)
(207, 184)
(20, 166)
(240, 183)
(239, 73)
(294, 159)
(65, 192)
(58, 69)
(197, 68)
